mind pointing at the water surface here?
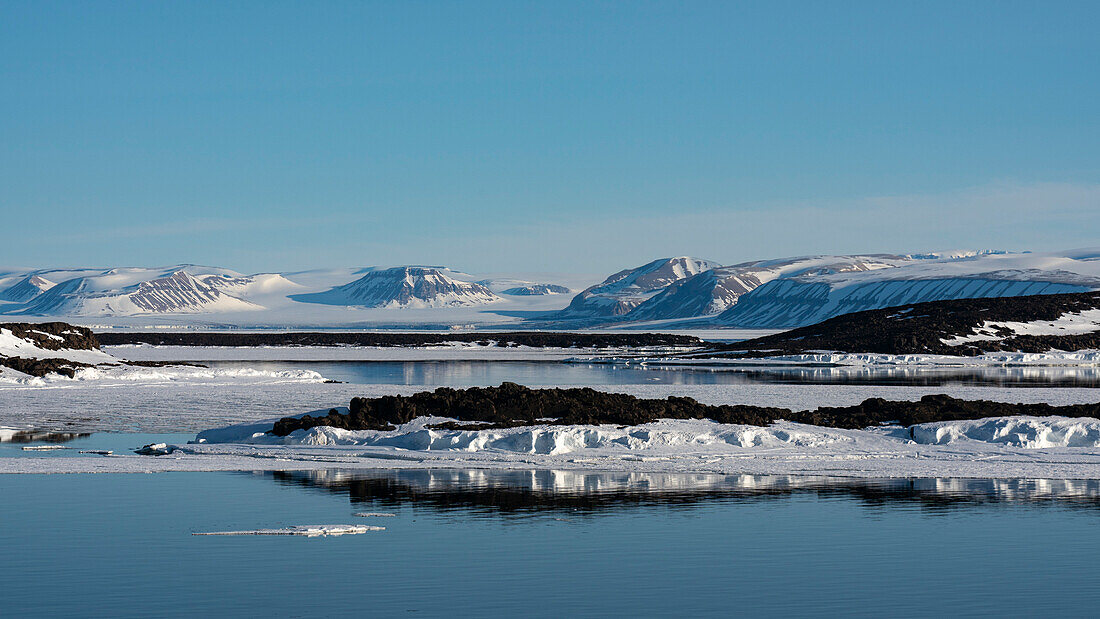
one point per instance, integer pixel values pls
(547, 544)
(481, 373)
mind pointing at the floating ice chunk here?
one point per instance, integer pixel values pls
(156, 449)
(374, 515)
(44, 447)
(305, 530)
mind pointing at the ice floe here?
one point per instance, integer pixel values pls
(305, 530)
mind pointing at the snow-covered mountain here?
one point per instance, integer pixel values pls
(670, 293)
(26, 289)
(131, 291)
(622, 292)
(718, 289)
(531, 290)
(407, 286)
(810, 298)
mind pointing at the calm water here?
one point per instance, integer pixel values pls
(475, 373)
(547, 544)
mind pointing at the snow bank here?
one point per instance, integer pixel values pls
(1022, 432)
(665, 435)
(253, 431)
(124, 374)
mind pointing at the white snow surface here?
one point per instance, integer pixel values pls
(1023, 432)
(665, 437)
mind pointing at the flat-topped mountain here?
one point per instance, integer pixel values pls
(408, 286)
(531, 290)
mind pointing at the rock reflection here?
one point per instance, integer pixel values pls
(1038, 376)
(33, 436)
(519, 492)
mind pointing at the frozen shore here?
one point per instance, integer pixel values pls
(1012, 447)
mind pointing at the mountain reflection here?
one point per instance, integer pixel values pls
(520, 492)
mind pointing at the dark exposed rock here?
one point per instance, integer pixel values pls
(536, 339)
(42, 367)
(515, 405)
(512, 405)
(49, 336)
(920, 328)
(929, 409)
(72, 337)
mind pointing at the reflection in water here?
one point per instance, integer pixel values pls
(927, 376)
(33, 436)
(518, 492)
(475, 373)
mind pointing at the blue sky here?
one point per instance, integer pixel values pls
(555, 137)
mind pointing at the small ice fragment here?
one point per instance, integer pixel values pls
(44, 447)
(305, 530)
(374, 515)
(98, 452)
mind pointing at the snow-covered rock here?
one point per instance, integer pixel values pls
(1070, 323)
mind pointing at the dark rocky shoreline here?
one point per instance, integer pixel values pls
(511, 405)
